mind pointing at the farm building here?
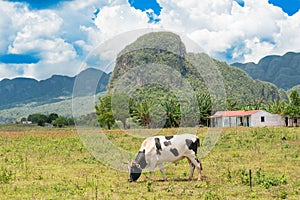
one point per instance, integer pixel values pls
(292, 121)
(251, 118)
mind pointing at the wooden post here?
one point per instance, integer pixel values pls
(250, 177)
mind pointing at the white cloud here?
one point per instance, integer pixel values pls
(41, 33)
(7, 72)
(7, 30)
(113, 20)
(219, 25)
(257, 49)
(288, 39)
(33, 26)
(250, 32)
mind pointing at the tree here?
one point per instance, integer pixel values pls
(60, 121)
(141, 113)
(104, 113)
(173, 113)
(277, 107)
(120, 107)
(38, 118)
(294, 98)
(52, 117)
(205, 107)
(292, 110)
(23, 119)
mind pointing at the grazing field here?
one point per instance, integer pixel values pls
(40, 163)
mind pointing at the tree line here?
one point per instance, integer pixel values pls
(150, 113)
(44, 119)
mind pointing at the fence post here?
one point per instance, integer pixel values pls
(250, 177)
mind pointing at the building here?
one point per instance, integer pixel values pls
(251, 118)
(292, 121)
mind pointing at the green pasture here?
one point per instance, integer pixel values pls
(40, 163)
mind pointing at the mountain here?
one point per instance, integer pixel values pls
(20, 91)
(63, 108)
(283, 71)
(163, 50)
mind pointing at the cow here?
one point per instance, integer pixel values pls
(157, 150)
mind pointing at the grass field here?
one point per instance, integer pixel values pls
(40, 163)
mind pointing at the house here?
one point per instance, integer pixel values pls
(26, 122)
(292, 121)
(251, 118)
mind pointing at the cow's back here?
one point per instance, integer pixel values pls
(169, 148)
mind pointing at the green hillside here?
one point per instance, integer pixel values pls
(166, 50)
(19, 91)
(283, 71)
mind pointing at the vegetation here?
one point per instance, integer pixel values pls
(165, 113)
(52, 118)
(104, 112)
(40, 163)
(155, 80)
(162, 57)
(63, 107)
(51, 90)
(283, 71)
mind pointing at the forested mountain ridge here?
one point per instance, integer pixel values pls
(167, 49)
(283, 71)
(20, 91)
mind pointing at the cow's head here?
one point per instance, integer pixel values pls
(135, 171)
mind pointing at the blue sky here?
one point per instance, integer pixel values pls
(42, 38)
(40, 4)
(288, 6)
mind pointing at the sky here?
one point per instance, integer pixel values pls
(42, 38)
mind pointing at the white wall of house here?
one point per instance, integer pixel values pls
(258, 119)
(230, 121)
(263, 118)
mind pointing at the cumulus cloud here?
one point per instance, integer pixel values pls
(64, 36)
(38, 32)
(33, 26)
(288, 38)
(113, 20)
(220, 25)
(8, 71)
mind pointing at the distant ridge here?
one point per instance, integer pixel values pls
(282, 71)
(19, 91)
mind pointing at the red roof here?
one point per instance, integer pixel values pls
(235, 113)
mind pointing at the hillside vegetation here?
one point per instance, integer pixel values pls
(166, 50)
(283, 71)
(21, 91)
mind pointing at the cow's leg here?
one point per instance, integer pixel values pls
(194, 160)
(192, 169)
(152, 165)
(161, 168)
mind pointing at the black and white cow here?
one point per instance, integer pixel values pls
(157, 150)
